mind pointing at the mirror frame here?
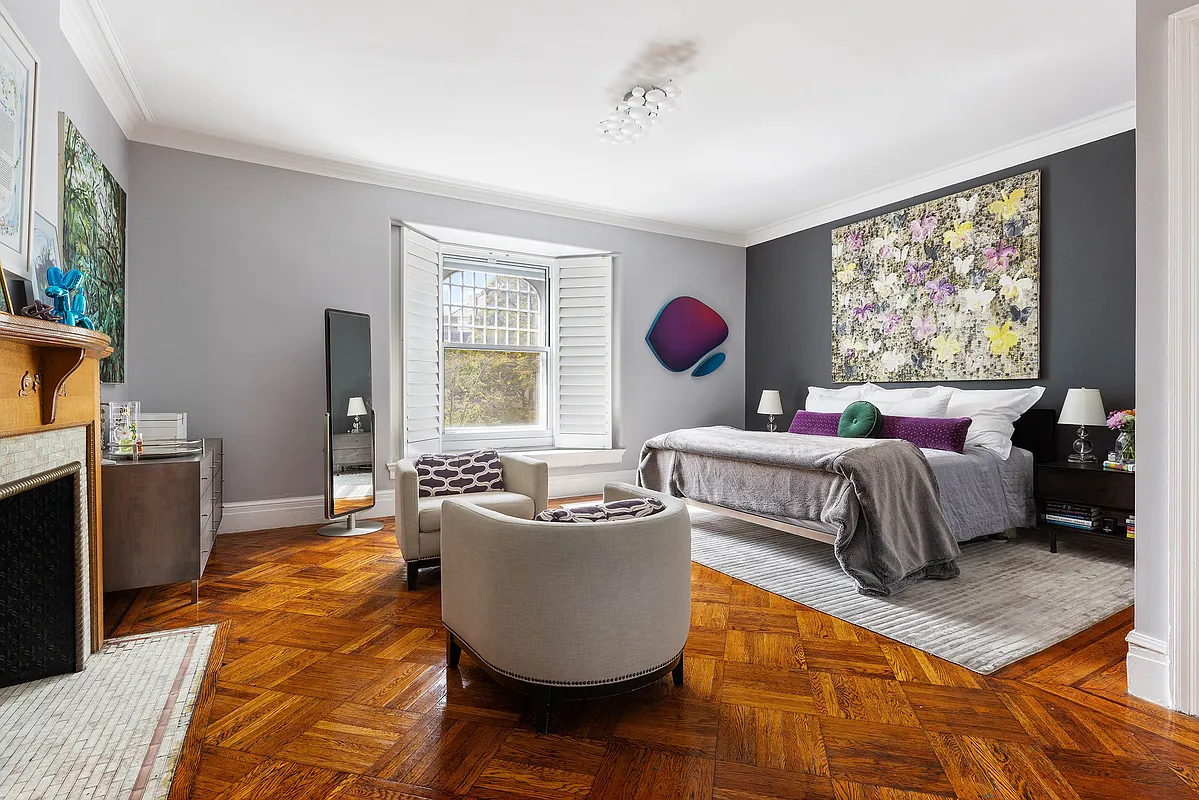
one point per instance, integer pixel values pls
(330, 498)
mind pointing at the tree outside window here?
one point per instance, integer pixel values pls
(495, 347)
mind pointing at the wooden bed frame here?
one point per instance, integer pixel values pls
(1036, 432)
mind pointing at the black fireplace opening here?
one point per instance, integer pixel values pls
(38, 576)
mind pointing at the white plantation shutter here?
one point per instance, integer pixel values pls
(583, 341)
(421, 345)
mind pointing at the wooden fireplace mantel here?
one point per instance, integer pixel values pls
(50, 379)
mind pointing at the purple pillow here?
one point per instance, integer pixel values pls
(814, 423)
(932, 433)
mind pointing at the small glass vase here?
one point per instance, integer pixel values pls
(1126, 447)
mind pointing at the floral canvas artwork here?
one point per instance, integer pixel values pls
(943, 290)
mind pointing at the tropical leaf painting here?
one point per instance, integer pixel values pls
(943, 290)
(93, 240)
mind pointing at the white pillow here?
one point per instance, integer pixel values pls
(930, 402)
(993, 413)
(834, 401)
(907, 394)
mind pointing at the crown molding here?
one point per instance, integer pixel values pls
(424, 183)
(1088, 129)
(88, 30)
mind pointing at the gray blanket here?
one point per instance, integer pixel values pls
(878, 497)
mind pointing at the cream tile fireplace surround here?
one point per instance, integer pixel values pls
(49, 419)
(23, 457)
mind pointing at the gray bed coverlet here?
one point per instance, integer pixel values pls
(983, 494)
(878, 497)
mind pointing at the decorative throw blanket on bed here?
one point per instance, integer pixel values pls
(880, 497)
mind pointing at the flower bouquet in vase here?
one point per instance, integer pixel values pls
(1125, 421)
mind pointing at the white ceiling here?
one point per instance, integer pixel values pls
(787, 105)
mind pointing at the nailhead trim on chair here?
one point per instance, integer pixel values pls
(603, 682)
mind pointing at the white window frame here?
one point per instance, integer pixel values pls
(505, 437)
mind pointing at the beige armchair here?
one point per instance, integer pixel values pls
(418, 519)
(566, 611)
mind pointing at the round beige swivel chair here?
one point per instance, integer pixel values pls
(567, 611)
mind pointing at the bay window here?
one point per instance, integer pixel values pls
(503, 350)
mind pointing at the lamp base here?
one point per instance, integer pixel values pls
(1082, 448)
(350, 526)
(770, 426)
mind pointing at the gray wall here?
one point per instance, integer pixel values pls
(232, 265)
(1088, 255)
(64, 86)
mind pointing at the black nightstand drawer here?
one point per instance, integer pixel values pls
(1086, 486)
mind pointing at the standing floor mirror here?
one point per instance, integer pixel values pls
(349, 424)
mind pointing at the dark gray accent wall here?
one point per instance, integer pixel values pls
(1088, 259)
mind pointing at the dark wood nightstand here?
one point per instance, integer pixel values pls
(1112, 491)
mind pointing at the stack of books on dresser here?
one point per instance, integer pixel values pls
(1072, 515)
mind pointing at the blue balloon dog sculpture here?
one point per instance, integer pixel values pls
(72, 309)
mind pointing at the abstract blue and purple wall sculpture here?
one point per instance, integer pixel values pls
(684, 332)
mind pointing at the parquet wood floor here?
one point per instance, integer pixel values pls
(334, 686)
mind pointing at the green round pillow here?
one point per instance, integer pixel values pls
(860, 420)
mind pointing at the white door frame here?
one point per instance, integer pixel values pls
(1181, 660)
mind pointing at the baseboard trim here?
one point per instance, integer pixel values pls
(1148, 666)
(288, 512)
(578, 485)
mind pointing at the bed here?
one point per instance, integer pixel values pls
(893, 517)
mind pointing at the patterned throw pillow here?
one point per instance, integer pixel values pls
(440, 474)
(604, 512)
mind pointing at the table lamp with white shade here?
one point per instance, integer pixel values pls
(357, 409)
(1083, 407)
(770, 405)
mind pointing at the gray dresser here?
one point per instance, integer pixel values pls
(351, 450)
(160, 519)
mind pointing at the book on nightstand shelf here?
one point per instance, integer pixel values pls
(1073, 515)
(1074, 522)
(1131, 527)
(1072, 510)
(1118, 467)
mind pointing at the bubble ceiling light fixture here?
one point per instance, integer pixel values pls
(639, 110)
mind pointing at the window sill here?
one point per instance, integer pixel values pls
(559, 458)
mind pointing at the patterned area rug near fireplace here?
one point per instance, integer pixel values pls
(114, 730)
(1013, 598)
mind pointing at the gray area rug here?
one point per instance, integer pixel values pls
(1013, 598)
